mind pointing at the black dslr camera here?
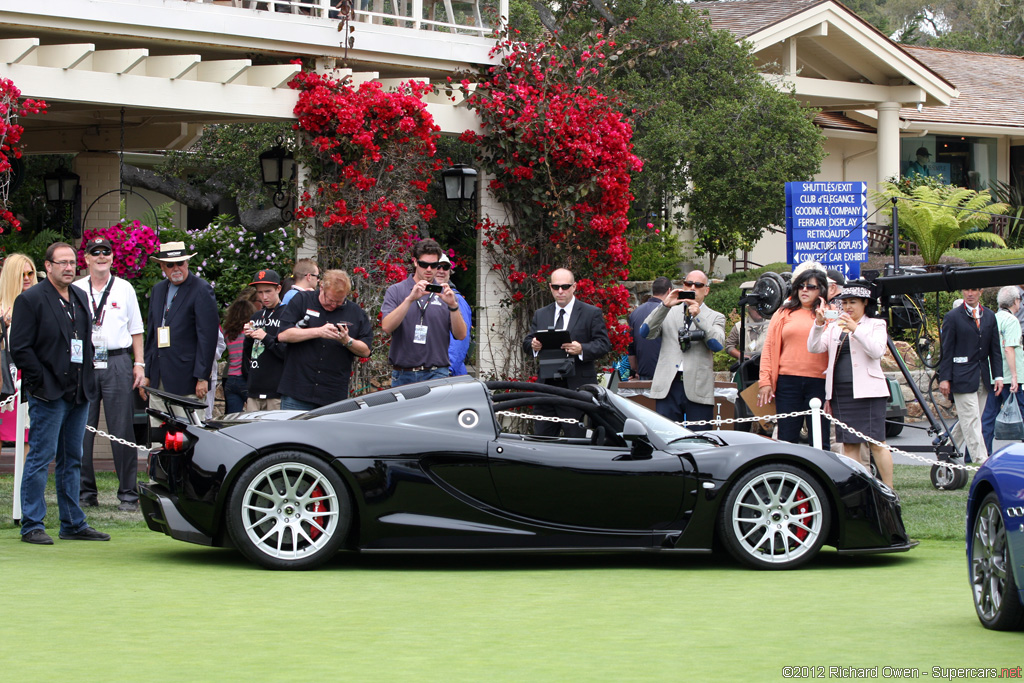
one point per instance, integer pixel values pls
(687, 336)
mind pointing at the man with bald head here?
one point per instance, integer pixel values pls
(684, 379)
(588, 342)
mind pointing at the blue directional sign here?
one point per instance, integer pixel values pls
(826, 222)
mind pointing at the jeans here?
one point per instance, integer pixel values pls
(58, 428)
(676, 407)
(235, 391)
(401, 377)
(794, 394)
(992, 406)
(289, 403)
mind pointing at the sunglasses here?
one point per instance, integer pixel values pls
(810, 288)
(433, 265)
(563, 287)
(100, 252)
(695, 285)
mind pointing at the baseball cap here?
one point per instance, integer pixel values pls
(834, 276)
(98, 243)
(266, 277)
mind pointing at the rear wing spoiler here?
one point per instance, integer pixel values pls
(179, 411)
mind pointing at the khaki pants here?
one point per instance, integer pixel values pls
(254, 404)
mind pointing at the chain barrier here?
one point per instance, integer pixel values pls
(7, 402)
(838, 423)
(118, 439)
(538, 418)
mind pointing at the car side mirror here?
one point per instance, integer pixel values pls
(633, 429)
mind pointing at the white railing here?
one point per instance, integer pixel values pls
(477, 17)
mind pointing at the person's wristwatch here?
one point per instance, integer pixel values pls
(453, 308)
(348, 343)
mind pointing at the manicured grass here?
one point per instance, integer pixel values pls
(144, 606)
(929, 513)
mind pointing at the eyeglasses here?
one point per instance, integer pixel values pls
(29, 273)
(695, 285)
(428, 264)
(809, 288)
(563, 287)
(64, 264)
(315, 276)
(444, 265)
(100, 252)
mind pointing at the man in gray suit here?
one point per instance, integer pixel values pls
(684, 379)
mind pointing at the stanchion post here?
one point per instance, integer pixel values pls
(816, 423)
(20, 420)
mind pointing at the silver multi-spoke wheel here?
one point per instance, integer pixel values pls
(289, 511)
(995, 592)
(775, 517)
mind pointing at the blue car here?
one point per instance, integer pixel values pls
(995, 540)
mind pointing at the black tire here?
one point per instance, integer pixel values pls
(996, 599)
(289, 510)
(894, 427)
(785, 497)
(948, 478)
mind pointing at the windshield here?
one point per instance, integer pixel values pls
(661, 430)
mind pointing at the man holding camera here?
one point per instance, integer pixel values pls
(419, 315)
(324, 331)
(684, 380)
(575, 359)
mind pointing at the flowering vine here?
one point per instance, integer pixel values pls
(370, 152)
(561, 155)
(11, 107)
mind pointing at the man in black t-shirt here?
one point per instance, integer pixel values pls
(262, 354)
(324, 332)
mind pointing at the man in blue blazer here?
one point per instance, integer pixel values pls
(181, 329)
(589, 341)
(970, 348)
(51, 343)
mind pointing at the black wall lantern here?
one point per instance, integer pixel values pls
(460, 183)
(62, 193)
(278, 168)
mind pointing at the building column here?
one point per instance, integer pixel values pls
(492, 326)
(99, 172)
(888, 140)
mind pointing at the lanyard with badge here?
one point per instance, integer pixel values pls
(99, 342)
(163, 333)
(77, 348)
(420, 334)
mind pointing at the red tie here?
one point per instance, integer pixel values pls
(977, 316)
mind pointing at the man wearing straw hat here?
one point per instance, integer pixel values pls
(181, 329)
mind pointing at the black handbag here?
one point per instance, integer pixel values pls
(6, 365)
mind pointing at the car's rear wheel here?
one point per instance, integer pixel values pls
(995, 592)
(775, 517)
(289, 510)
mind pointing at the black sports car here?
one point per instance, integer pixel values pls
(430, 467)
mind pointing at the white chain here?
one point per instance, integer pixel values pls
(839, 423)
(118, 439)
(539, 418)
(7, 402)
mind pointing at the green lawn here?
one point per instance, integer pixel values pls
(150, 608)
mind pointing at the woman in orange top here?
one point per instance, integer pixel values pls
(790, 374)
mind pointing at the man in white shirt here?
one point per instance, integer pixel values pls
(119, 369)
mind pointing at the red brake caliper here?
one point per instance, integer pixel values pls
(802, 509)
(318, 506)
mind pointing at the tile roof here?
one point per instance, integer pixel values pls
(991, 88)
(745, 18)
(837, 121)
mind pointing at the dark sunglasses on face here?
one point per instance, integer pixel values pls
(695, 285)
(562, 287)
(810, 288)
(100, 252)
(428, 264)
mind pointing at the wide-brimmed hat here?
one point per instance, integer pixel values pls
(856, 289)
(172, 252)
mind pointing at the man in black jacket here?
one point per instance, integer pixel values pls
(181, 329)
(51, 343)
(588, 342)
(970, 348)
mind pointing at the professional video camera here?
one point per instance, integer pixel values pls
(899, 293)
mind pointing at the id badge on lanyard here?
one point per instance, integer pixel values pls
(99, 346)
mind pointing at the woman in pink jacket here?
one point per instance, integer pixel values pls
(854, 382)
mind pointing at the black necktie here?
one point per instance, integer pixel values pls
(560, 323)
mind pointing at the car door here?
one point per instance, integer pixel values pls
(586, 486)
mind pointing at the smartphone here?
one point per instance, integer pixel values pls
(831, 314)
(342, 327)
(683, 294)
(436, 289)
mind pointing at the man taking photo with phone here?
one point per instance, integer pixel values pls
(419, 314)
(684, 379)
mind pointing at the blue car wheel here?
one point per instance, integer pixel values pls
(995, 594)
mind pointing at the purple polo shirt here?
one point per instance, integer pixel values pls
(431, 311)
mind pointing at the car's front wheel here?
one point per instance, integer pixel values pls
(289, 510)
(995, 593)
(775, 517)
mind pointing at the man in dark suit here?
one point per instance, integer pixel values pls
(589, 341)
(181, 329)
(970, 348)
(51, 343)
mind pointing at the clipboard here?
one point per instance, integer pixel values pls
(552, 340)
(749, 396)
